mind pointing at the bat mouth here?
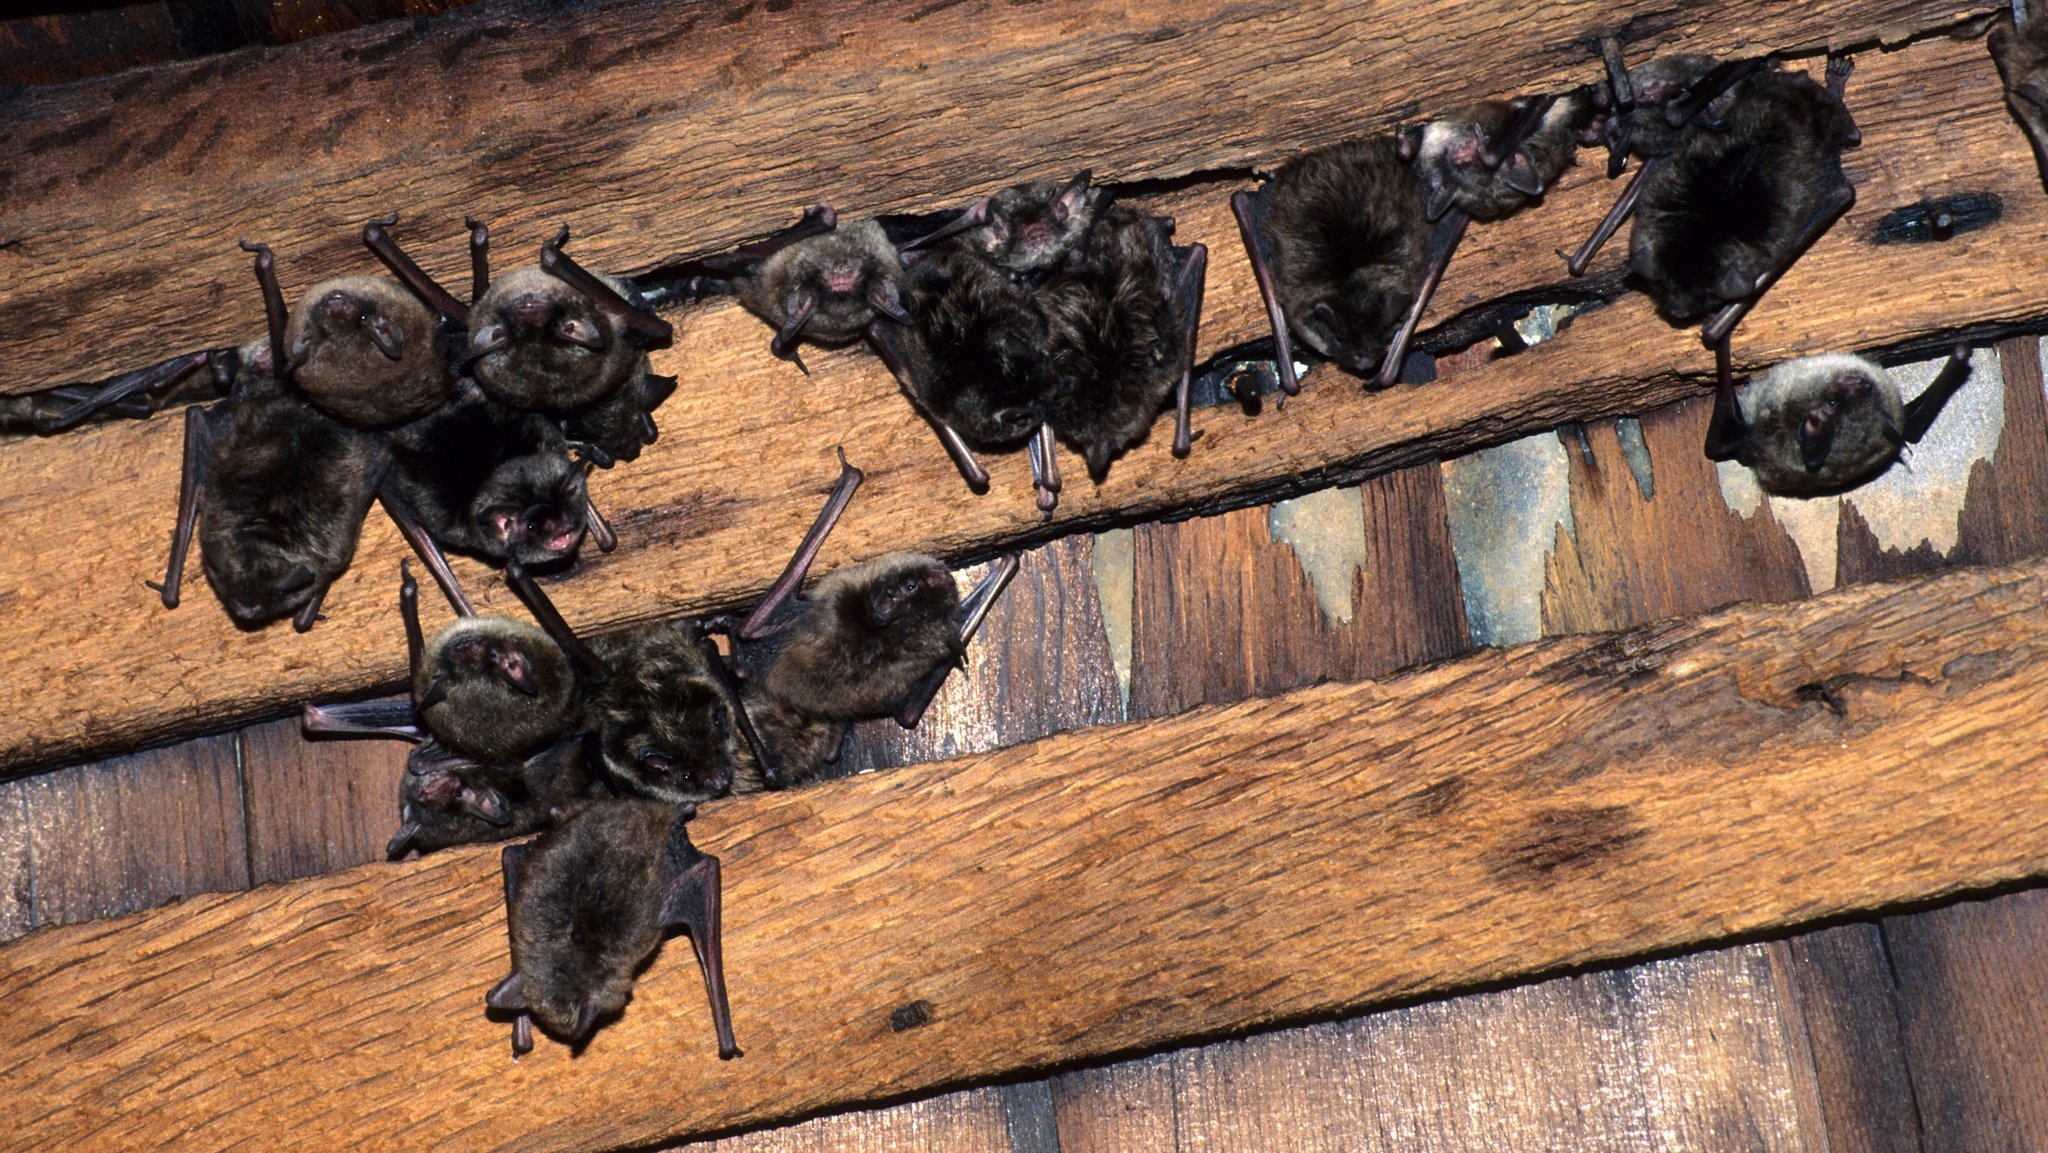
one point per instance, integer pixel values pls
(562, 541)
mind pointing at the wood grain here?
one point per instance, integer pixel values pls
(1507, 813)
(661, 130)
(316, 806)
(85, 633)
(1839, 991)
(137, 831)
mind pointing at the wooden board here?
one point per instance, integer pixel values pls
(1503, 814)
(78, 619)
(659, 130)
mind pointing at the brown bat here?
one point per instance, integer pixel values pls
(2020, 50)
(872, 640)
(589, 901)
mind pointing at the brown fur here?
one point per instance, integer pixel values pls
(2020, 50)
(857, 256)
(342, 370)
(1346, 230)
(482, 716)
(663, 719)
(537, 371)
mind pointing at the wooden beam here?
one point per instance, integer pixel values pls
(659, 130)
(95, 664)
(1510, 813)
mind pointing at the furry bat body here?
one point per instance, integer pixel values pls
(589, 901)
(1825, 424)
(277, 492)
(872, 640)
(1737, 202)
(561, 340)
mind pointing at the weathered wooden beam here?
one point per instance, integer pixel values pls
(1509, 813)
(660, 130)
(708, 514)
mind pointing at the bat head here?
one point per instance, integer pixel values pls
(828, 288)
(1822, 424)
(367, 352)
(494, 689)
(537, 342)
(1035, 225)
(533, 509)
(263, 578)
(664, 723)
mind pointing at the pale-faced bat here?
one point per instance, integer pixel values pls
(1032, 228)
(589, 901)
(1498, 156)
(362, 349)
(2020, 49)
(276, 491)
(661, 709)
(559, 339)
(872, 640)
(1339, 243)
(1738, 200)
(1824, 424)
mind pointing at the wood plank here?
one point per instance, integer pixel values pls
(77, 616)
(1127, 1107)
(136, 832)
(695, 126)
(974, 1121)
(17, 877)
(59, 46)
(1713, 789)
(1346, 584)
(1687, 1053)
(316, 806)
(1970, 978)
(1840, 997)
(1632, 559)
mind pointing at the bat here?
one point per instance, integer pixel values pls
(1049, 312)
(363, 350)
(559, 339)
(872, 640)
(480, 477)
(588, 902)
(1736, 202)
(275, 491)
(1824, 424)
(2020, 50)
(1339, 242)
(662, 710)
(496, 751)
(1645, 112)
(818, 281)
(1496, 157)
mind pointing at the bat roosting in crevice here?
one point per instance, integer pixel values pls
(1825, 424)
(876, 639)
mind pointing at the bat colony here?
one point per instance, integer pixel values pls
(1047, 312)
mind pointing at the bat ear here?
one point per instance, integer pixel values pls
(1519, 173)
(401, 841)
(509, 995)
(301, 576)
(1437, 202)
(1072, 197)
(882, 294)
(1408, 142)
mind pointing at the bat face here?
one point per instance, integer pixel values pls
(1035, 225)
(1822, 424)
(587, 912)
(664, 722)
(532, 509)
(1464, 161)
(538, 343)
(1642, 130)
(868, 635)
(2020, 50)
(367, 352)
(828, 288)
(494, 689)
(1348, 232)
(443, 800)
(282, 503)
(1730, 205)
